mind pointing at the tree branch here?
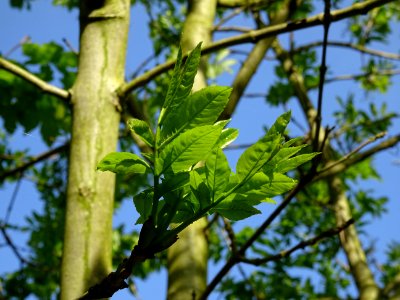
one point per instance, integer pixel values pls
(338, 168)
(33, 79)
(251, 64)
(356, 47)
(11, 244)
(256, 35)
(362, 75)
(233, 260)
(33, 161)
(312, 241)
(322, 72)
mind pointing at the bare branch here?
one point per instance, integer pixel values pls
(33, 161)
(11, 244)
(24, 40)
(322, 72)
(338, 168)
(33, 79)
(222, 21)
(251, 64)
(12, 200)
(70, 47)
(256, 35)
(362, 75)
(232, 29)
(356, 47)
(354, 151)
(312, 241)
(233, 260)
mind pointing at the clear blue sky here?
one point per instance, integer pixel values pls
(45, 23)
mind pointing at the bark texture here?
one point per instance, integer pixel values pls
(363, 277)
(87, 241)
(187, 258)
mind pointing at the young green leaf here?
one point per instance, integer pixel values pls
(267, 187)
(281, 156)
(217, 172)
(256, 156)
(123, 163)
(187, 149)
(200, 108)
(181, 82)
(142, 129)
(280, 124)
(286, 165)
(228, 135)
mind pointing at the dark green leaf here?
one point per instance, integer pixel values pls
(199, 189)
(143, 204)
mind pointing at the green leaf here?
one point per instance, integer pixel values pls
(142, 129)
(235, 210)
(199, 189)
(187, 149)
(256, 156)
(228, 135)
(286, 165)
(174, 83)
(281, 157)
(280, 124)
(267, 186)
(200, 108)
(143, 204)
(123, 163)
(217, 172)
(181, 82)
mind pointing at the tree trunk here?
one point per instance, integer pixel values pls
(90, 194)
(187, 258)
(363, 277)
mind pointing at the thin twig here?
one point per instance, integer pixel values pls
(254, 36)
(362, 75)
(231, 234)
(24, 40)
(353, 46)
(233, 260)
(322, 72)
(32, 161)
(70, 47)
(12, 200)
(309, 242)
(10, 243)
(233, 29)
(354, 151)
(142, 65)
(341, 167)
(222, 21)
(33, 79)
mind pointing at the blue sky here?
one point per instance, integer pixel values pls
(45, 23)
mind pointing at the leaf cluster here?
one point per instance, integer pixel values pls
(191, 174)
